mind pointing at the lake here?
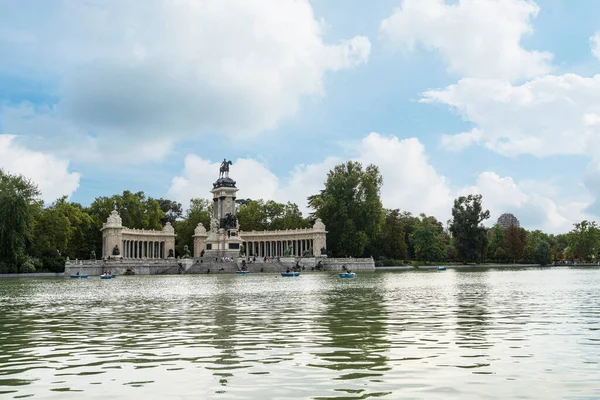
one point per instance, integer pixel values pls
(485, 334)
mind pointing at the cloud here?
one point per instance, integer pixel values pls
(410, 183)
(179, 68)
(461, 141)
(50, 173)
(537, 205)
(595, 44)
(550, 115)
(476, 38)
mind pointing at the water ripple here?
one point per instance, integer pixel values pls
(472, 334)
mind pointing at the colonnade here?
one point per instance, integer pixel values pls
(143, 249)
(276, 248)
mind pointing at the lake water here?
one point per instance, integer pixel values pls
(488, 334)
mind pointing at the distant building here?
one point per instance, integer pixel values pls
(508, 219)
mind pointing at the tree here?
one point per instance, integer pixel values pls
(428, 240)
(470, 238)
(200, 211)
(543, 255)
(18, 203)
(514, 242)
(391, 242)
(350, 206)
(172, 209)
(584, 240)
(65, 227)
(496, 240)
(251, 216)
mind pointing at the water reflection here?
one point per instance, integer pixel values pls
(471, 296)
(355, 318)
(425, 334)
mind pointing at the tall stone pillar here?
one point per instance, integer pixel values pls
(112, 236)
(200, 236)
(223, 239)
(169, 232)
(320, 237)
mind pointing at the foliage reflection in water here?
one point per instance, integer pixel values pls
(488, 333)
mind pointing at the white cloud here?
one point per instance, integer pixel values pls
(545, 116)
(595, 44)
(537, 205)
(179, 68)
(50, 173)
(411, 183)
(476, 38)
(461, 141)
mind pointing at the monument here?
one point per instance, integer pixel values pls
(223, 239)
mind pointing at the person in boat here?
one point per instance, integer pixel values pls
(77, 272)
(287, 271)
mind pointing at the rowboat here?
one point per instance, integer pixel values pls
(441, 268)
(290, 274)
(241, 272)
(78, 276)
(348, 275)
(106, 276)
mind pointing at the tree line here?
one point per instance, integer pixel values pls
(38, 237)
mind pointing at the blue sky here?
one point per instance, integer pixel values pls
(447, 98)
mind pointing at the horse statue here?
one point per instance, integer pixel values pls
(224, 170)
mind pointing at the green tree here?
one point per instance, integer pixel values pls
(65, 227)
(251, 216)
(496, 240)
(350, 206)
(391, 242)
(500, 254)
(18, 203)
(543, 254)
(200, 211)
(470, 238)
(428, 240)
(514, 242)
(172, 210)
(584, 240)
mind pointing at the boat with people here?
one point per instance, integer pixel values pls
(77, 275)
(347, 274)
(290, 274)
(441, 268)
(241, 272)
(107, 275)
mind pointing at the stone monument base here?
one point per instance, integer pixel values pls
(212, 254)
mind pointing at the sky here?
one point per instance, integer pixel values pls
(447, 98)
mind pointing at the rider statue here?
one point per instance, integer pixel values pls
(224, 169)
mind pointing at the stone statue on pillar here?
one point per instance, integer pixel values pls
(224, 170)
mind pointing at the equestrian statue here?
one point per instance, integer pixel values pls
(224, 170)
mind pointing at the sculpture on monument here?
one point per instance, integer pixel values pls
(171, 255)
(214, 225)
(116, 251)
(242, 250)
(186, 252)
(308, 252)
(224, 170)
(93, 255)
(288, 251)
(229, 221)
